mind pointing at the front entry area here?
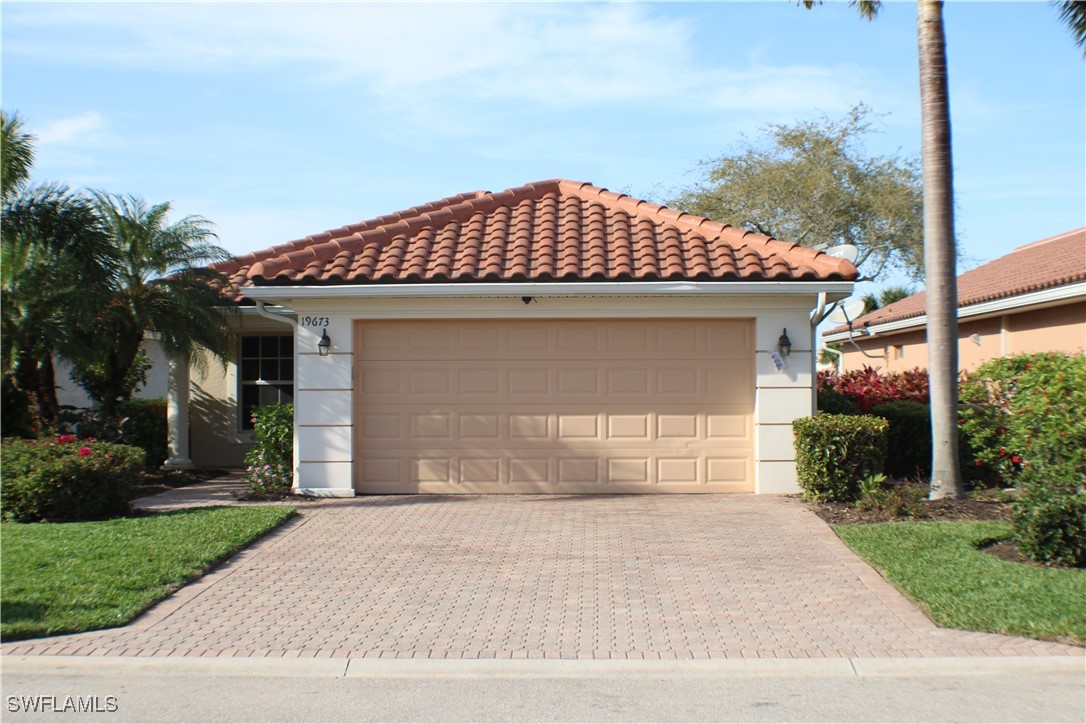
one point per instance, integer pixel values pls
(554, 406)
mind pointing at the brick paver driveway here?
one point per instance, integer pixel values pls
(642, 577)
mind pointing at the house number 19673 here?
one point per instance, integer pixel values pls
(314, 321)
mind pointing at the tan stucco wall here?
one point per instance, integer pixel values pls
(1061, 328)
(215, 436)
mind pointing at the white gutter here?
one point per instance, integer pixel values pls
(285, 318)
(1043, 298)
(838, 290)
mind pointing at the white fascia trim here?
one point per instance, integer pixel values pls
(1045, 297)
(837, 290)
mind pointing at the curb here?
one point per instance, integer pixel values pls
(539, 669)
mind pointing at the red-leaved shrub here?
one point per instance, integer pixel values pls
(869, 388)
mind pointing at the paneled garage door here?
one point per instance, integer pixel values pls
(554, 406)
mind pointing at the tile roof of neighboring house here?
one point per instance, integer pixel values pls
(1044, 264)
(546, 231)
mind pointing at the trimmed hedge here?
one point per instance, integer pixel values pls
(66, 479)
(908, 440)
(836, 453)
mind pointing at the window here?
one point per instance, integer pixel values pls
(265, 373)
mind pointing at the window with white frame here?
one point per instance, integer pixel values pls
(265, 373)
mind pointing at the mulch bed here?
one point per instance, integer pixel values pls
(968, 509)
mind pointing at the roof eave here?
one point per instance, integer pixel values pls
(1020, 302)
(835, 290)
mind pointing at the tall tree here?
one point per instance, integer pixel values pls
(52, 248)
(157, 281)
(940, 254)
(813, 183)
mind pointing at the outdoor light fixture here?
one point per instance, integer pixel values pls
(784, 345)
(325, 344)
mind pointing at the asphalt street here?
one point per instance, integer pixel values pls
(981, 690)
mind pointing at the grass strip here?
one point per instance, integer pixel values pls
(70, 577)
(939, 565)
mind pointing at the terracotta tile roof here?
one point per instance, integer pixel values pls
(546, 231)
(1044, 264)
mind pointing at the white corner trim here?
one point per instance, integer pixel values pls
(545, 289)
(1040, 299)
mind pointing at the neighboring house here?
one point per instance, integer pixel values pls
(551, 338)
(1031, 300)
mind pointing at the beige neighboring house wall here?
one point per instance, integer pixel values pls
(1060, 329)
(1031, 300)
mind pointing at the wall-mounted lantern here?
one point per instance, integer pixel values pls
(324, 346)
(784, 345)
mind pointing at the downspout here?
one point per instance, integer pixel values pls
(287, 319)
(816, 319)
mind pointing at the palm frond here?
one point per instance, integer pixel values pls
(16, 153)
(1073, 15)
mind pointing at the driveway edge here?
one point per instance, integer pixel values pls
(539, 669)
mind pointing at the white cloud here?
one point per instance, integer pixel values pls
(71, 130)
(422, 58)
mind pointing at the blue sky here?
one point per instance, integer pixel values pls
(278, 120)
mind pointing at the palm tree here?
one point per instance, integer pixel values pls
(1073, 14)
(940, 253)
(157, 281)
(52, 248)
(885, 297)
(16, 154)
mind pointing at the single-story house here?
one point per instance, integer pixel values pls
(551, 338)
(1031, 300)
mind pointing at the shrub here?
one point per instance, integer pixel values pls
(898, 500)
(66, 479)
(143, 425)
(269, 465)
(834, 453)
(833, 402)
(868, 388)
(908, 440)
(1050, 517)
(1026, 411)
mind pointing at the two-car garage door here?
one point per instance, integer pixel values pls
(554, 406)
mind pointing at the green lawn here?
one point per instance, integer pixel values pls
(69, 577)
(939, 565)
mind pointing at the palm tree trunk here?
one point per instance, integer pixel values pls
(939, 252)
(48, 406)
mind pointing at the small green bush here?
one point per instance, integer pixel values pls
(66, 479)
(897, 500)
(834, 453)
(269, 465)
(143, 425)
(908, 441)
(1050, 518)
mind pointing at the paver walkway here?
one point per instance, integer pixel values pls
(638, 577)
